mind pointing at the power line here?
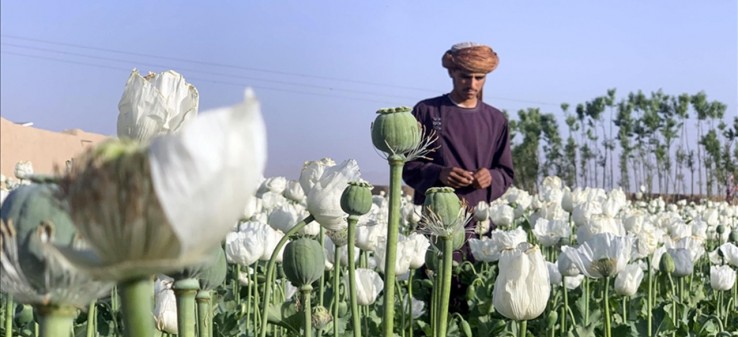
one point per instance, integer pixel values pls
(241, 85)
(190, 70)
(232, 66)
(214, 64)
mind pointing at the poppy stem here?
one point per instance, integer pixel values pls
(306, 292)
(448, 251)
(204, 313)
(185, 291)
(270, 271)
(136, 303)
(396, 162)
(352, 220)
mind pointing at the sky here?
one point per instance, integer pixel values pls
(322, 69)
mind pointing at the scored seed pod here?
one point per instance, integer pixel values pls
(395, 131)
(444, 204)
(303, 261)
(357, 198)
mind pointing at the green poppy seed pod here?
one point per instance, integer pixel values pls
(734, 235)
(23, 314)
(666, 264)
(36, 211)
(357, 198)
(395, 130)
(720, 229)
(459, 238)
(303, 261)
(444, 203)
(321, 317)
(551, 319)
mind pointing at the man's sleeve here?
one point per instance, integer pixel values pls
(502, 171)
(421, 174)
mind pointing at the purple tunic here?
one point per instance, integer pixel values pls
(470, 138)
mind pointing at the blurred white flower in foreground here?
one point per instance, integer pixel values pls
(156, 208)
(155, 104)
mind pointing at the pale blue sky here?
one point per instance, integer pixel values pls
(321, 69)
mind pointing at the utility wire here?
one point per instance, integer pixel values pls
(190, 70)
(242, 85)
(231, 66)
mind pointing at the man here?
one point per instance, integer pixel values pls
(473, 148)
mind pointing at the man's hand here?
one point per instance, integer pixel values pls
(482, 178)
(456, 177)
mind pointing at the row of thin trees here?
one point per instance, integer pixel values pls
(669, 144)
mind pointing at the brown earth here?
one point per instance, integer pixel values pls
(43, 148)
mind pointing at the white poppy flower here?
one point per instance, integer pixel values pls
(285, 217)
(403, 257)
(522, 287)
(420, 245)
(312, 171)
(267, 236)
(604, 255)
(521, 199)
(243, 248)
(165, 306)
(23, 170)
(368, 285)
(481, 211)
(599, 223)
(294, 192)
(367, 237)
(272, 184)
(628, 280)
(330, 250)
(722, 277)
(324, 198)
(550, 232)
(489, 249)
(730, 253)
(695, 246)
(573, 282)
(554, 276)
(566, 266)
(155, 104)
(501, 214)
(552, 190)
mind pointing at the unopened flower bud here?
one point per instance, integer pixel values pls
(666, 264)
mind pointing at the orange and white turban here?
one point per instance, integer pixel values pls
(471, 57)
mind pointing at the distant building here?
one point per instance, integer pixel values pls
(43, 148)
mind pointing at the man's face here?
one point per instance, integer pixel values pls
(467, 85)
